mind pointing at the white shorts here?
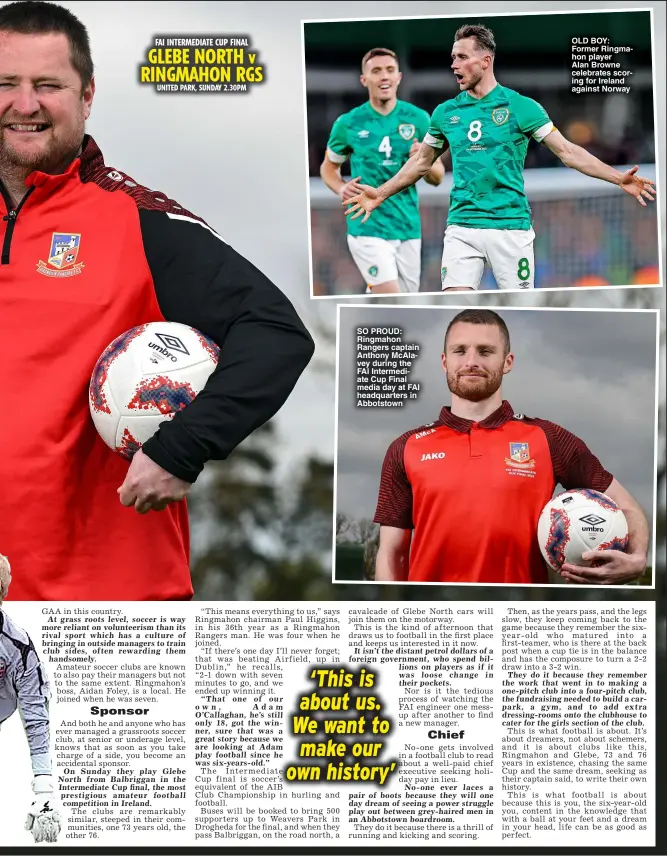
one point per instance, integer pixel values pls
(386, 261)
(508, 252)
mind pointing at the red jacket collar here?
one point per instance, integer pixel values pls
(499, 417)
(89, 160)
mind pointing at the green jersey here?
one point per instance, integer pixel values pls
(488, 138)
(378, 146)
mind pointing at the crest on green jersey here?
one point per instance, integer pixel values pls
(500, 115)
(407, 131)
(373, 270)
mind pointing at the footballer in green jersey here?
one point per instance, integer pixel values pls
(379, 137)
(487, 128)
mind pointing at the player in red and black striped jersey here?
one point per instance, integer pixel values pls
(460, 498)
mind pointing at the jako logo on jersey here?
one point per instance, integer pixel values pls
(363, 134)
(433, 456)
(407, 131)
(62, 255)
(500, 115)
(421, 434)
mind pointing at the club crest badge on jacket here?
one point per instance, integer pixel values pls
(62, 256)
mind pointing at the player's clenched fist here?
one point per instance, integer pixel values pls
(363, 203)
(150, 488)
(637, 186)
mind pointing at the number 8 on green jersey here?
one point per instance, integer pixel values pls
(489, 218)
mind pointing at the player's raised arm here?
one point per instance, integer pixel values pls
(576, 157)
(410, 173)
(436, 173)
(393, 558)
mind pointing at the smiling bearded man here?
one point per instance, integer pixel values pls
(43, 125)
(451, 508)
(78, 524)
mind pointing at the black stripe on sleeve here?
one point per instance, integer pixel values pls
(202, 282)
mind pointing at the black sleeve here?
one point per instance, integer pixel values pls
(202, 282)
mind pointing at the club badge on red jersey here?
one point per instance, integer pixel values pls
(62, 256)
(520, 456)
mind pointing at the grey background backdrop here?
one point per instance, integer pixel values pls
(591, 372)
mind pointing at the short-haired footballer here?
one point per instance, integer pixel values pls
(432, 528)
(487, 128)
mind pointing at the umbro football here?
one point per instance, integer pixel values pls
(577, 521)
(144, 377)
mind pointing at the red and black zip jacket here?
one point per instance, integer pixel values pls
(472, 492)
(136, 257)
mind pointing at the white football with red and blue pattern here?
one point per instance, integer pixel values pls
(144, 377)
(577, 521)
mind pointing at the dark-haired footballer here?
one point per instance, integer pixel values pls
(460, 498)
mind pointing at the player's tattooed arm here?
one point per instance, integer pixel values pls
(577, 158)
(412, 170)
(436, 173)
(614, 567)
(392, 562)
(331, 176)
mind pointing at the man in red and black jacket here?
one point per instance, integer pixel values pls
(460, 498)
(136, 257)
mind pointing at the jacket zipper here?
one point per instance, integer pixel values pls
(10, 217)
